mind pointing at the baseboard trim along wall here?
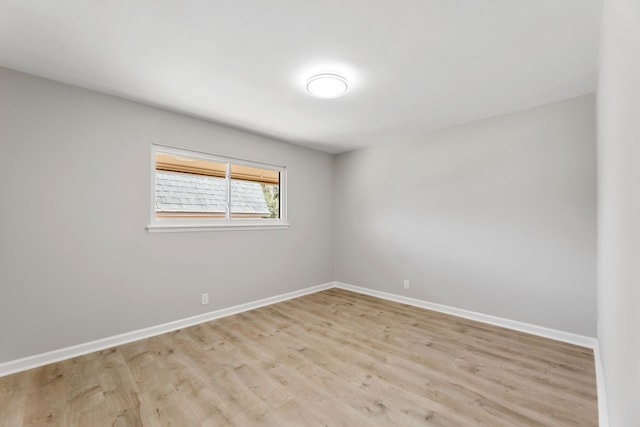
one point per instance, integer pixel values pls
(42, 359)
(553, 334)
(35, 361)
(603, 412)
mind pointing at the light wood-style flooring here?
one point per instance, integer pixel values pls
(334, 358)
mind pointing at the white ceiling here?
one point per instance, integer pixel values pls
(415, 66)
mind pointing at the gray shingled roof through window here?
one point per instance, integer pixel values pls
(178, 192)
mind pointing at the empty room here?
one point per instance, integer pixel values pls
(331, 213)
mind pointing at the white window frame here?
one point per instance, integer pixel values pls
(227, 224)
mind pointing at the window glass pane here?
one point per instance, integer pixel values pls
(255, 192)
(198, 190)
(190, 188)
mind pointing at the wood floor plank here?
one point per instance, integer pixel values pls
(120, 391)
(46, 402)
(13, 396)
(333, 358)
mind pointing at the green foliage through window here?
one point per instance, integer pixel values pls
(272, 197)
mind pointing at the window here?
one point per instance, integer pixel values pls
(198, 191)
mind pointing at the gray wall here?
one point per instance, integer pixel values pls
(76, 263)
(619, 209)
(497, 216)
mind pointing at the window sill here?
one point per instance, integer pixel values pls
(181, 228)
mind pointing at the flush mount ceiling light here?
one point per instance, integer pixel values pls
(327, 85)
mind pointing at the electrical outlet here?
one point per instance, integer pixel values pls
(406, 284)
(205, 299)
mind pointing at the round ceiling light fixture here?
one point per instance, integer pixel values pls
(327, 85)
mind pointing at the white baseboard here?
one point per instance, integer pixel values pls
(603, 412)
(37, 360)
(541, 331)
